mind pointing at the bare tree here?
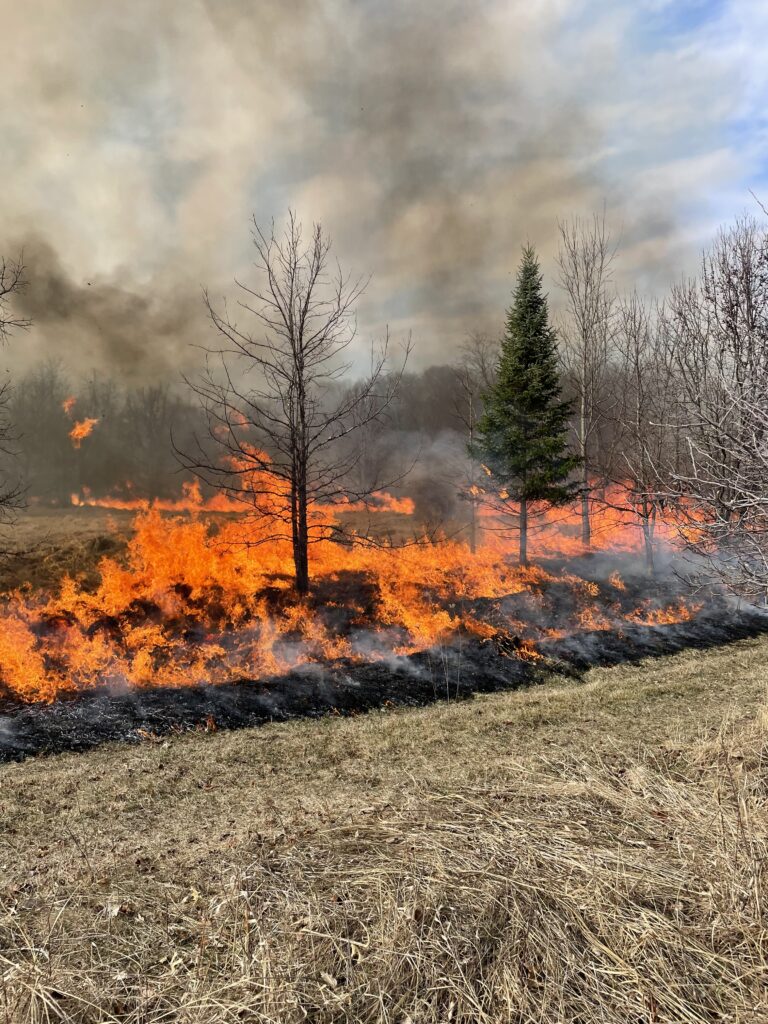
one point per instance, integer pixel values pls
(479, 355)
(724, 507)
(11, 283)
(275, 417)
(468, 410)
(717, 351)
(475, 374)
(585, 258)
(645, 398)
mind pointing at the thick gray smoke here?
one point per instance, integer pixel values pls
(432, 140)
(139, 336)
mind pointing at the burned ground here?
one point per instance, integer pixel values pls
(367, 637)
(455, 672)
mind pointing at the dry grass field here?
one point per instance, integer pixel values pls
(585, 852)
(45, 544)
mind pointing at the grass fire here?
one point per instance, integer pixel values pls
(383, 513)
(195, 601)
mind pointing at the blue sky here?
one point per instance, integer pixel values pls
(432, 140)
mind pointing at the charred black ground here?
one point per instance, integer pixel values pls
(466, 667)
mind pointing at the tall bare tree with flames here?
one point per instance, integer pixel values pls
(277, 417)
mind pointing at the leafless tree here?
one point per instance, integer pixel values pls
(475, 374)
(724, 509)
(717, 330)
(585, 258)
(479, 355)
(467, 412)
(11, 283)
(275, 417)
(644, 402)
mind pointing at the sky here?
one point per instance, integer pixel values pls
(432, 140)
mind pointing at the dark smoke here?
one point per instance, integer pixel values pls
(432, 140)
(139, 336)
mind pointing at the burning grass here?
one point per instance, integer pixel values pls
(191, 600)
(573, 853)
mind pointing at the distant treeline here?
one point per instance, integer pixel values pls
(132, 442)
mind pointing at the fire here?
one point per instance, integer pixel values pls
(557, 531)
(200, 599)
(68, 404)
(195, 601)
(678, 611)
(192, 500)
(81, 430)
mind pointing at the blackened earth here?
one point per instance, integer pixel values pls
(454, 672)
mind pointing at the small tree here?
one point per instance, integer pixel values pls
(277, 424)
(11, 283)
(522, 434)
(645, 444)
(475, 376)
(585, 259)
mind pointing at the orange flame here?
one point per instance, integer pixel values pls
(81, 430)
(193, 600)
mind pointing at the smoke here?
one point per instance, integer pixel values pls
(139, 336)
(431, 140)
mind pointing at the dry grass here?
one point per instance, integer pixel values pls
(44, 545)
(584, 853)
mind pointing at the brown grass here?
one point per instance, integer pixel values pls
(577, 853)
(45, 544)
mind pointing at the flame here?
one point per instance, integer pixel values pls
(615, 525)
(192, 500)
(200, 599)
(678, 611)
(68, 404)
(81, 430)
(616, 581)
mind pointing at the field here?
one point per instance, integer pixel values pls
(44, 544)
(578, 852)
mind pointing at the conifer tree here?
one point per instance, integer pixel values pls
(522, 435)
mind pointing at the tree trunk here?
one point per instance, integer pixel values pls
(301, 566)
(472, 480)
(586, 526)
(648, 524)
(301, 534)
(524, 531)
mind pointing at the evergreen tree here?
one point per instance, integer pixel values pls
(522, 435)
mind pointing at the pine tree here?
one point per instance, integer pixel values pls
(522, 435)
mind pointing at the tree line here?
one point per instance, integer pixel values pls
(667, 400)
